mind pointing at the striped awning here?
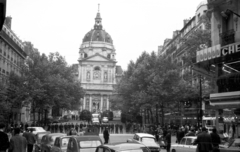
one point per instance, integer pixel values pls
(226, 99)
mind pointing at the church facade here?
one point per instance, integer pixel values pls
(98, 72)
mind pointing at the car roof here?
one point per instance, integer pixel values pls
(144, 135)
(36, 127)
(193, 137)
(123, 146)
(86, 138)
(56, 134)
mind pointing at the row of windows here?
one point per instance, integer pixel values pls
(7, 52)
(13, 37)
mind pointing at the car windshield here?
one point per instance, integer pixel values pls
(148, 139)
(234, 143)
(87, 144)
(65, 142)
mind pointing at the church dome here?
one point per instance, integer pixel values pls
(98, 34)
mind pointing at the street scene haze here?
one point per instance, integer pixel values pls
(119, 76)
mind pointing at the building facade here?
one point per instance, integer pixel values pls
(222, 61)
(12, 57)
(98, 72)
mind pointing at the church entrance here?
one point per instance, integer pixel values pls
(96, 103)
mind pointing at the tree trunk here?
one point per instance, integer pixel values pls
(157, 114)
(151, 115)
(145, 116)
(162, 110)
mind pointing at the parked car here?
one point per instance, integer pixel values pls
(84, 143)
(122, 147)
(105, 120)
(39, 135)
(95, 120)
(185, 145)
(36, 129)
(60, 144)
(48, 141)
(232, 146)
(146, 139)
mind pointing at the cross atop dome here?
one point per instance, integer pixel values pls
(98, 20)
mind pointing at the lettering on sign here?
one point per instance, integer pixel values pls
(230, 49)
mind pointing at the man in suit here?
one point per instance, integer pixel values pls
(31, 139)
(204, 141)
(18, 143)
(215, 140)
(4, 141)
(106, 135)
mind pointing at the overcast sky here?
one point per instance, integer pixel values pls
(134, 25)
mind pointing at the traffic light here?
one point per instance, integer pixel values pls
(2, 12)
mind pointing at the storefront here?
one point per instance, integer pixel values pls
(222, 64)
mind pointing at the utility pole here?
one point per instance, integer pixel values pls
(200, 112)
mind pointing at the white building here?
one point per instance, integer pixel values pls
(98, 72)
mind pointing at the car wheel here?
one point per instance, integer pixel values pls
(173, 150)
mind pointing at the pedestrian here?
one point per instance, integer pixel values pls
(203, 141)
(215, 140)
(168, 140)
(106, 135)
(18, 143)
(31, 140)
(4, 141)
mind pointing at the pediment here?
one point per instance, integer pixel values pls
(98, 57)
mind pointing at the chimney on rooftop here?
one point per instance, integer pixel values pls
(185, 22)
(8, 21)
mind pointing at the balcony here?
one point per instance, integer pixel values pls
(227, 37)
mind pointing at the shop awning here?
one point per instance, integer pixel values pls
(226, 99)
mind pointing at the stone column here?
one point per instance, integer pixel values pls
(108, 102)
(90, 104)
(84, 102)
(101, 103)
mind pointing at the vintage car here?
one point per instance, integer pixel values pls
(37, 145)
(36, 129)
(48, 141)
(232, 146)
(185, 145)
(85, 143)
(60, 144)
(146, 139)
(123, 147)
(105, 120)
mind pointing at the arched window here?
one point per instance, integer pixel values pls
(97, 73)
(85, 55)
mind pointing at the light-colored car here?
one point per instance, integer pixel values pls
(185, 145)
(146, 139)
(122, 147)
(86, 143)
(37, 145)
(105, 119)
(48, 141)
(95, 120)
(60, 144)
(36, 129)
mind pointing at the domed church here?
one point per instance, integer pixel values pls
(98, 72)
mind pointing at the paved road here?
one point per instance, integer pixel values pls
(124, 137)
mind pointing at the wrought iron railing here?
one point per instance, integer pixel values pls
(227, 37)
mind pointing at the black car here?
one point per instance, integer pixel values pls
(122, 147)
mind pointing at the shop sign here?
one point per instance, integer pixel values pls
(230, 49)
(209, 53)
